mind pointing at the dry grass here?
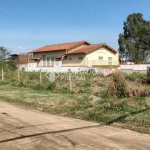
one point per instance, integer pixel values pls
(119, 87)
(137, 89)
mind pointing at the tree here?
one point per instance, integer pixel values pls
(5, 61)
(134, 42)
(4, 53)
(143, 35)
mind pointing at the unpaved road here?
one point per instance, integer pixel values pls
(22, 129)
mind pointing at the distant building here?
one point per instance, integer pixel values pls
(22, 58)
(76, 54)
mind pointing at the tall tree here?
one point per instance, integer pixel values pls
(4, 53)
(134, 42)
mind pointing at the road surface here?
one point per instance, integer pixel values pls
(22, 129)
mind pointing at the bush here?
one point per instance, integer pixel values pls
(8, 65)
(117, 87)
(51, 86)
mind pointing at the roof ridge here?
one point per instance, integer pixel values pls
(62, 46)
(89, 48)
(98, 44)
(67, 43)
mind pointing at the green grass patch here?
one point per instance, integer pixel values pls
(135, 76)
(100, 84)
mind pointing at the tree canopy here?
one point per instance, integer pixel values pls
(5, 61)
(4, 53)
(134, 42)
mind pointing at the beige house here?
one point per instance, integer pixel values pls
(81, 54)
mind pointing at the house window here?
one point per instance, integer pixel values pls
(80, 58)
(100, 58)
(48, 61)
(109, 60)
(70, 58)
(52, 58)
(44, 57)
(44, 60)
(52, 61)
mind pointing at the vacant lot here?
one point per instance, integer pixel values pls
(119, 99)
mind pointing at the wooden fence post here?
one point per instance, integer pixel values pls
(18, 76)
(2, 75)
(40, 76)
(70, 81)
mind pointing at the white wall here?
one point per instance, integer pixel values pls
(134, 68)
(142, 68)
(57, 68)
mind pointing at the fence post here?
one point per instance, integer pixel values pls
(2, 75)
(40, 76)
(18, 76)
(70, 81)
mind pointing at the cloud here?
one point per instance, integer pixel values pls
(18, 49)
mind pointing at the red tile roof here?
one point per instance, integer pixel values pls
(59, 47)
(89, 48)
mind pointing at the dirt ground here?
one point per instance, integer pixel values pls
(22, 129)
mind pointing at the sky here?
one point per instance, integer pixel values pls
(26, 25)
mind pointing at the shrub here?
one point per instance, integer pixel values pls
(51, 86)
(117, 87)
(8, 65)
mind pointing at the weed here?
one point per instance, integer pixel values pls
(86, 84)
(100, 84)
(86, 90)
(38, 87)
(65, 90)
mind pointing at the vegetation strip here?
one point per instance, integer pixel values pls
(127, 106)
